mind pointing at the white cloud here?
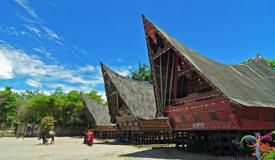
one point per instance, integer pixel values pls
(6, 67)
(17, 62)
(120, 60)
(66, 88)
(88, 68)
(9, 30)
(38, 74)
(25, 4)
(36, 25)
(103, 94)
(43, 51)
(88, 89)
(44, 32)
(51, 34)
(33, 83)
(27, 19)
(80, 50)
(34, 30)
(124, 71)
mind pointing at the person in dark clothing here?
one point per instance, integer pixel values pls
(52, 134)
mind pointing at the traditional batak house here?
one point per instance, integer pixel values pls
(209, 104)
(132, 107)
(99, 118)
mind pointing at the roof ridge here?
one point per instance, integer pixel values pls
(99, 113)
(137, 96)
(128, 78)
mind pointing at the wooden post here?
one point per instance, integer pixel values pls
(160, 75)
(166, 77)
(171, 79)
(175, 78)
(117, 104)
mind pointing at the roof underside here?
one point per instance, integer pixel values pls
(251, 84)
(98, 112)
(138, 96)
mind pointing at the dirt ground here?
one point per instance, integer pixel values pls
(71, 148)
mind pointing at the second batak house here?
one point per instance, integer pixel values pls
(132, 107)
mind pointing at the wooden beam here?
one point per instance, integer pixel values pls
(166, 77)
(175, 77)
(161, 52)
(161, 93)
(114, 92)
(117, 104)
(171, 79)
(184, 72)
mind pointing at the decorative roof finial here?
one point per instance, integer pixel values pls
(259, 56)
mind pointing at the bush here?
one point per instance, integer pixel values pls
(47, 124)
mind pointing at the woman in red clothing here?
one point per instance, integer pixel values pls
(90, 139)
(86, 135)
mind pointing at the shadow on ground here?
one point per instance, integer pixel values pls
(168, 153)
(112, 142)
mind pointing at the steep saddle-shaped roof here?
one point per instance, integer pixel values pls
(251, 84)
(96, 112)
(138, 96)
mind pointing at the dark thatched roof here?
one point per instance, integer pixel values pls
(97, 112)
(251, 84)
(138, 96)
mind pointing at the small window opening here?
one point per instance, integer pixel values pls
(213, 115)
(182, 88)
(196, 117)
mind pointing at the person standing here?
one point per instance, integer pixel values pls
(90, 137)
(52, 134)
(86, 135)
(29, 129)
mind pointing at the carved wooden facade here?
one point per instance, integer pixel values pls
(198, 93)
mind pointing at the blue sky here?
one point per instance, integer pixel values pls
(47, 44)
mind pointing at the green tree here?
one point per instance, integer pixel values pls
(46, 125)
(40, 106)
(59, 91)
(96, 97)
(22, 110)
(72, 109)
(28, 94)
(6, 91)
(142, 74)
(8, 109)
(35, 108)
(32, 106)
(271, 63)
